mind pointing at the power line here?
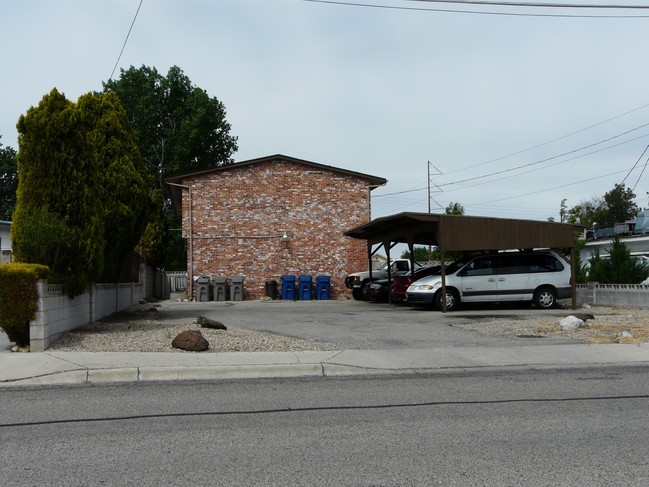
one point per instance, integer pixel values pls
(125, 41)
(550, 189)
(550, 141)
(634, 166)
(416, 189)
(543, 160)
(537, 4)
(553, 164)
(476, 12)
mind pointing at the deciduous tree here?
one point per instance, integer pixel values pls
(616, 206)
(179, 128)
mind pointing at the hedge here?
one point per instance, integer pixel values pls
(18, 298)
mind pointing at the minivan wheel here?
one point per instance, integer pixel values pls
(452, 300)
(545, 298)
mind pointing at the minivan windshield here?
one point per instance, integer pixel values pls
(457, 265)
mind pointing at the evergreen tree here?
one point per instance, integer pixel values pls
(125, 179)
(82, 180)
(59, 171)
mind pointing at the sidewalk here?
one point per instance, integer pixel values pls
(49, 368)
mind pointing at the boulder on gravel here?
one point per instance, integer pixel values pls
(190, 340)
(570, 323)
(207, 323)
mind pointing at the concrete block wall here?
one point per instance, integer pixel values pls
(57, 313)
(615, 295)
(105, 301)
(276, 218)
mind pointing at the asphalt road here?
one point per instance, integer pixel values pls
(361, 325)
(562, 428)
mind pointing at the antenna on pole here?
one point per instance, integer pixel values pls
(439, 190)
(430, 199)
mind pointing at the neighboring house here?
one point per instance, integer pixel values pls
(638, 245)
(274, 216)
(5, 242)
(378, 260)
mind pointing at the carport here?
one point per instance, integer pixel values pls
(466, 233)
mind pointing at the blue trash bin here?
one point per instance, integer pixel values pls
(288, 287)
(306, 288)
(323, 284)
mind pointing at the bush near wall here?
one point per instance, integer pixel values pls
(18, 298)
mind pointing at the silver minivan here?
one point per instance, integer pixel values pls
(541, 277)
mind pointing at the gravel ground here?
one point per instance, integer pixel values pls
(610, 325)
(138, 329)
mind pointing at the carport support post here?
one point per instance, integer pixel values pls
(386, 246)
(443, 271)
(573, 276)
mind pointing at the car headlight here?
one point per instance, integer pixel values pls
(421, 287)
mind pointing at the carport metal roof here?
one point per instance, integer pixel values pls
(465, 233)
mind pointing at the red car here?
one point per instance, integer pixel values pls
(401, 283)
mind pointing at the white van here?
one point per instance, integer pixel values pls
(541, 277)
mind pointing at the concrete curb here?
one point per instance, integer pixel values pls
(65, 368)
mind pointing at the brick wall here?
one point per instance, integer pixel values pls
(241, 214)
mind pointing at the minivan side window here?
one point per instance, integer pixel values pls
(513, 264)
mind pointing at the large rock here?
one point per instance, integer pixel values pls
(190, 340)
(570, 323)
(207, 323)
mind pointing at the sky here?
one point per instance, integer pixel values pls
(506, 110)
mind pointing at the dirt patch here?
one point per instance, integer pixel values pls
(608, 326)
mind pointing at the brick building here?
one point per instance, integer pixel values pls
(274, 216)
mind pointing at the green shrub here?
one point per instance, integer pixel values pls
(18, 298)
(620, 268)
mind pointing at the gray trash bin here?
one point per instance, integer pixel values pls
(203, 288)
(220, 288)
(236, 288)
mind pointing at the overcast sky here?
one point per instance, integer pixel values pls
(547, 103)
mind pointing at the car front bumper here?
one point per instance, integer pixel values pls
(420, 299)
